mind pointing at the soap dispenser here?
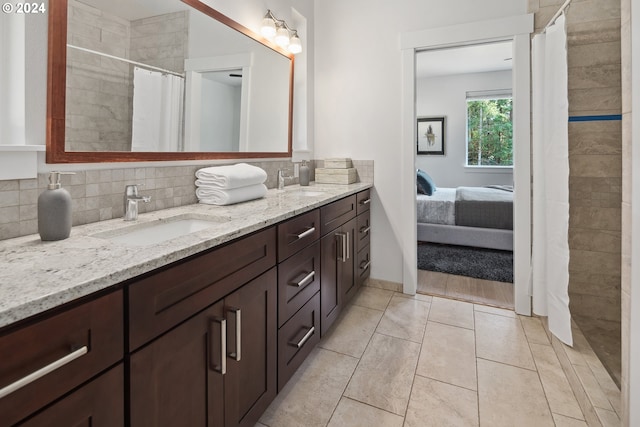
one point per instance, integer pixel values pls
(54, 210)
(304, 173)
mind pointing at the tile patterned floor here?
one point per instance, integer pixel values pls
(499, 294)
(604, 337)
(396, 360)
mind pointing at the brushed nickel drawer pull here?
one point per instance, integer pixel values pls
(365, 201)
(305, 338)
(222, 369)
(348, 244)
(342, 256)
(365, 230)
(364, 265)
(238, 353)
(307, 279)
(24, 381)
(306, 233)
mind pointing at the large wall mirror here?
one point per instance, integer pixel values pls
(143, 80)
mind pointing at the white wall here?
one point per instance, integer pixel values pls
(358, 93)
(267, 106)
(446, 96)
(219, 116)
(12, 79)
(299, 14)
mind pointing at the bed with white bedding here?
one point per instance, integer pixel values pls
(467, 216)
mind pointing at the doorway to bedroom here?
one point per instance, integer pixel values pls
(464, 162)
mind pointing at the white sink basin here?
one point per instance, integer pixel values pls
(153, 232)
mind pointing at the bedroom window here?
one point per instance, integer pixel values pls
(489, 128)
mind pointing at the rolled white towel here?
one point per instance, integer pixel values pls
(231, 176)
(216, 196)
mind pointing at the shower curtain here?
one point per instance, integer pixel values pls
(550, 261)
(157, 111)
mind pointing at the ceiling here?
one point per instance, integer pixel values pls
(478, 58)
(226, 77)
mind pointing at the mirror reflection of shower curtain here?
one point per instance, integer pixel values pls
(157, 111)
(551, 180)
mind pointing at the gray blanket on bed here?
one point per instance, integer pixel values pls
(484, 207)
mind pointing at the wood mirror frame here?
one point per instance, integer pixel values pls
(56, 98)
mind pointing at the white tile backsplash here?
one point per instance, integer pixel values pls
(97, 194)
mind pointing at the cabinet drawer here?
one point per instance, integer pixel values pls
(97, 404)
(82, 341)
(363, 265)
(363, 231)
(337, 213)
(298, 280)
(162, 300)
(297, 338)
(364, 201)
(298, 233)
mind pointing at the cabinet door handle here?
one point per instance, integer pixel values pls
(238, 353)
(348, 244)
(306, 233)
(342, 256)
(365, 201)
(307, 279)
(222, 369)
(364, 265)
(305, 338)
(24, 381)
(365, 229)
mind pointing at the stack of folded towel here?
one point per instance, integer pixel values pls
(226, 185)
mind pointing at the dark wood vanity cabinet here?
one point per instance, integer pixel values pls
(363, 259)
(344, 247)
(299, 277)
(363, 236)
(205, 341)
(100, 403)
(65, 353)
(164, 298)
(297, 233)
(337, 272)
(216, 369)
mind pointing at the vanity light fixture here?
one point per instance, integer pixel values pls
(279, 31)
(268, 28)
(282, 35)
(295, 46)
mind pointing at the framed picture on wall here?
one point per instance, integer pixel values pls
(430, 135)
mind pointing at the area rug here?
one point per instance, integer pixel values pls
(487, 264)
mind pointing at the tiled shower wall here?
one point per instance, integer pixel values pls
(595, 161)
(627, 147)
(98, 113)
(161, 41)
(97, 195)
(99, 89)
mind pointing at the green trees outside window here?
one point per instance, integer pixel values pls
(489, 132)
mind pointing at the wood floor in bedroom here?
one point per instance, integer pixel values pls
(489, 292)
(394, 360)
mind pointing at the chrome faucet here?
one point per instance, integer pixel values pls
(281, 178)
(131, 199)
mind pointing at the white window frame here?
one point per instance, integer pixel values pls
(478, 95)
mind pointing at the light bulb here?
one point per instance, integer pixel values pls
(268, 28)
(282, 37)
(295, 46)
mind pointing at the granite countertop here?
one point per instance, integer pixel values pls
(36, 276)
